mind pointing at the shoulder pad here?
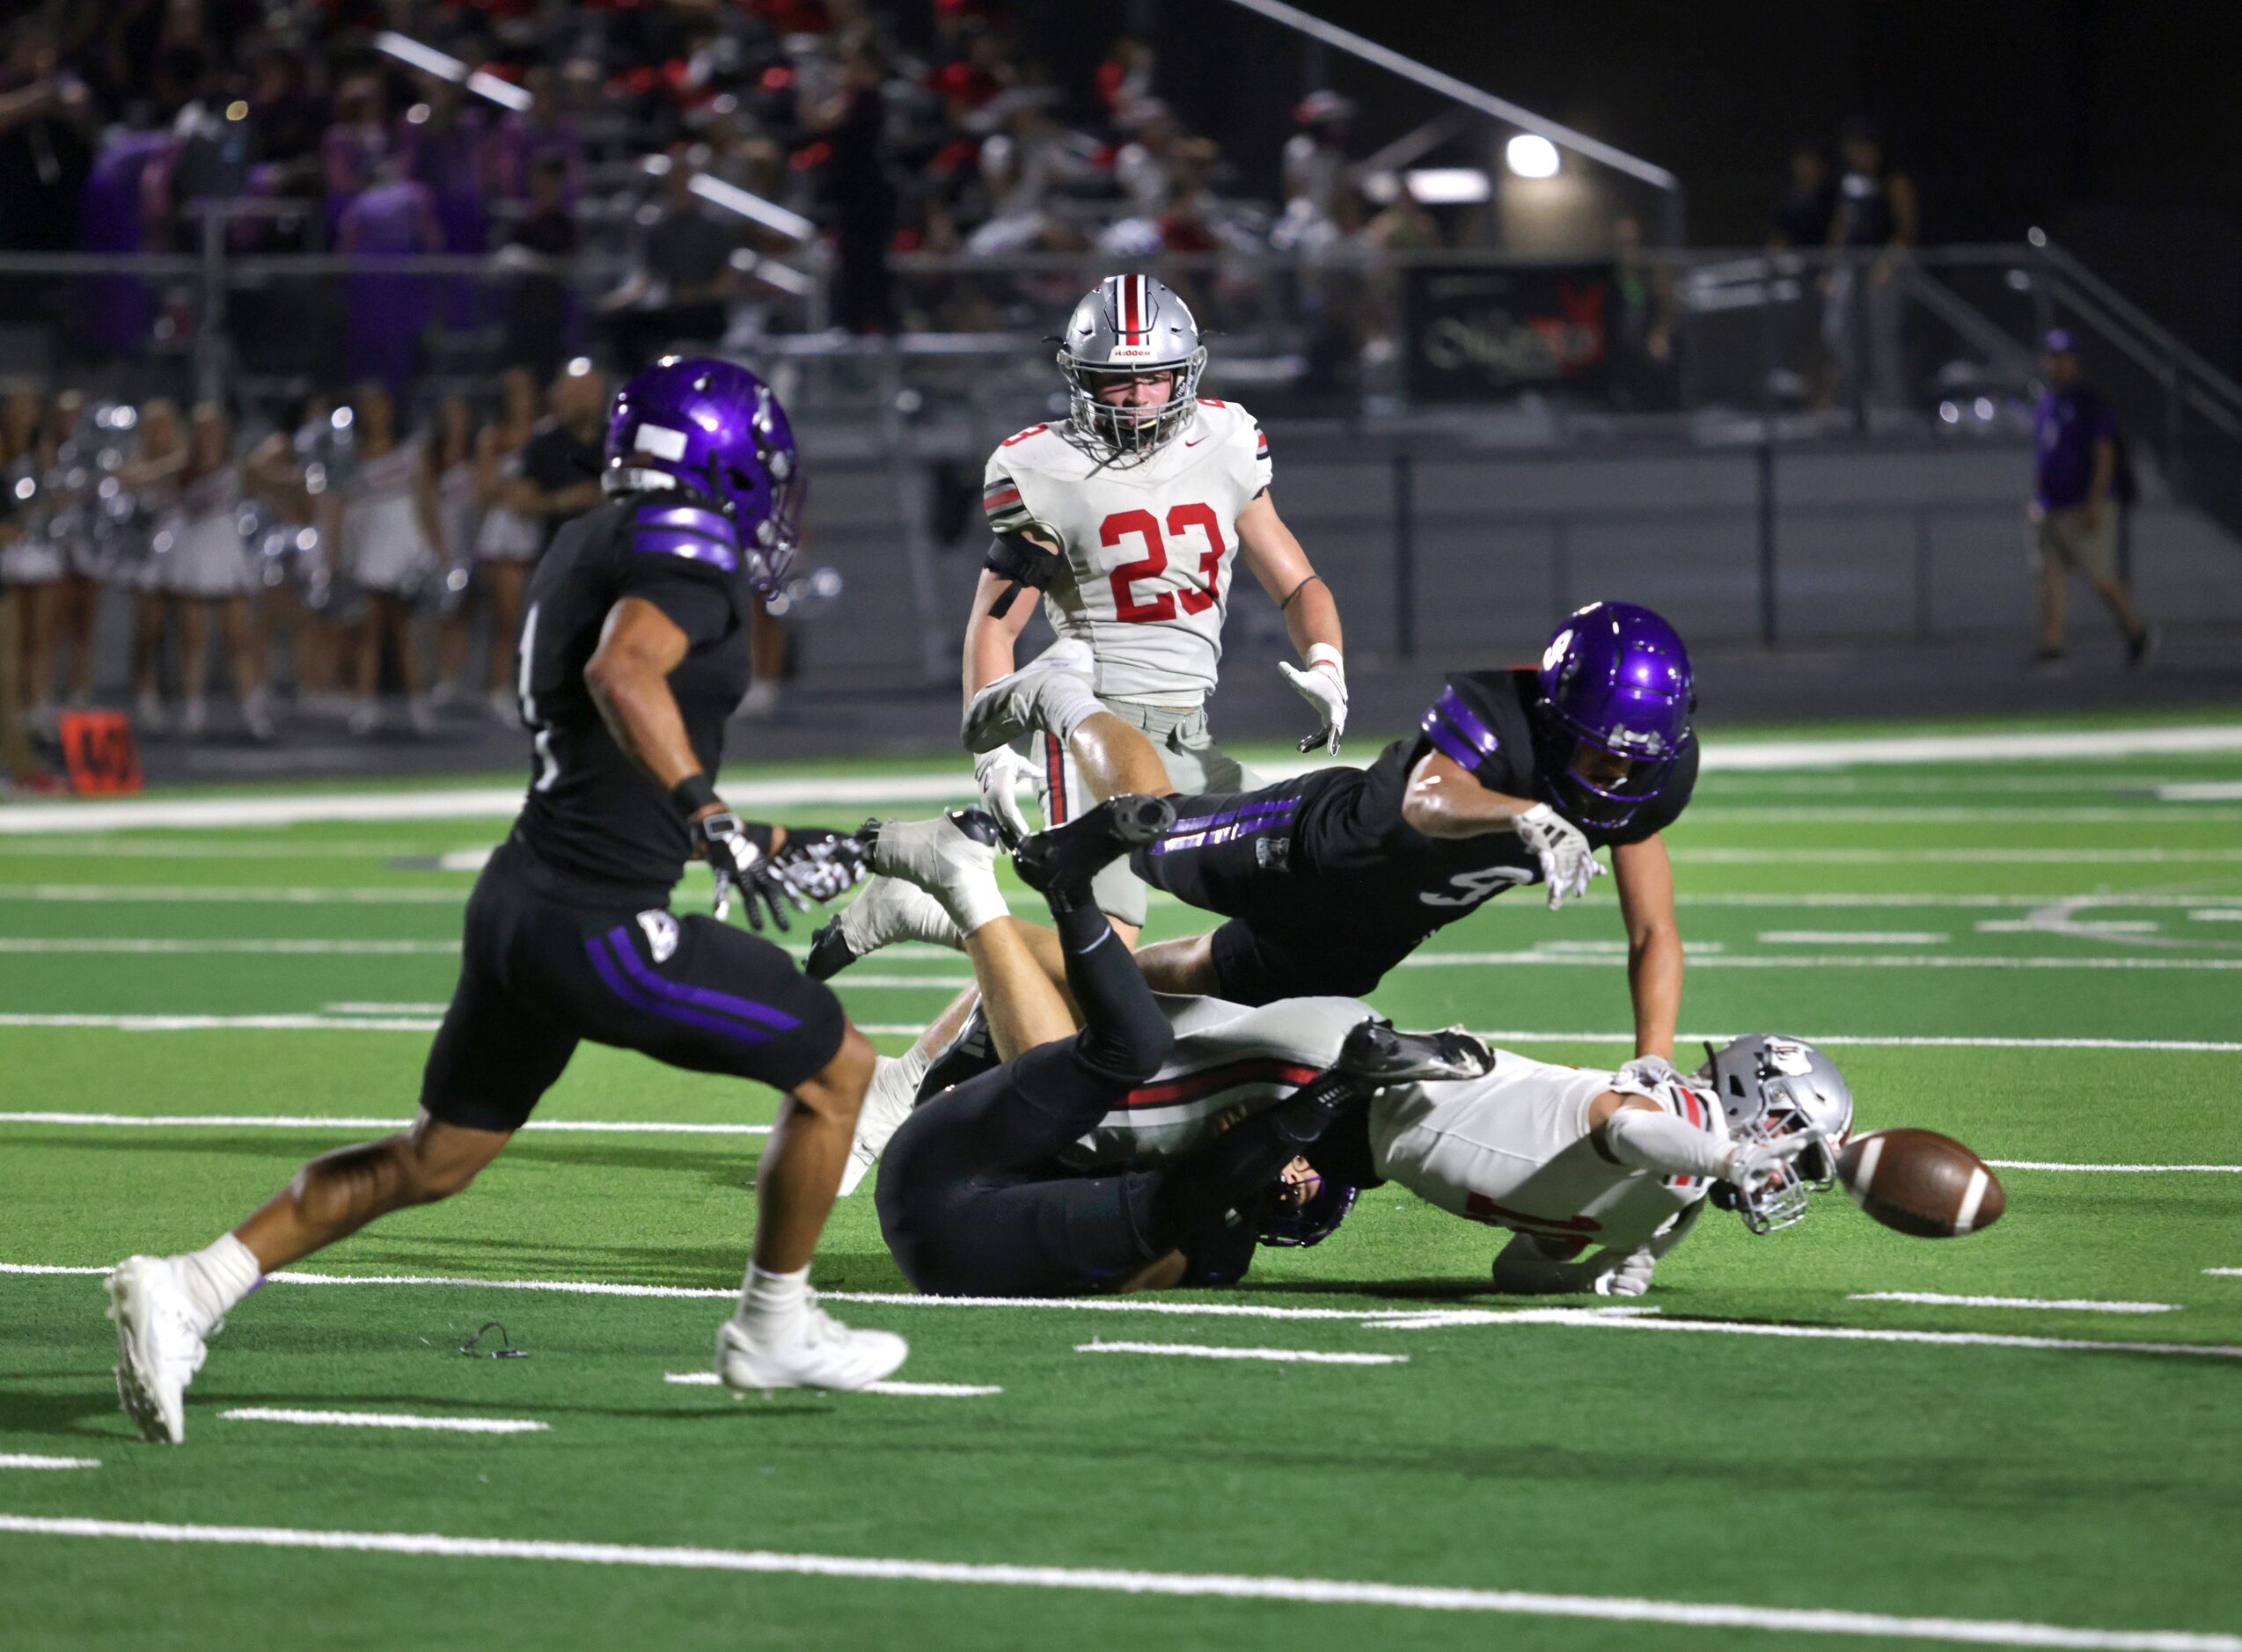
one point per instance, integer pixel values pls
(693, 532)
(1458, 730)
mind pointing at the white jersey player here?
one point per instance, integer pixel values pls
(1597, 1173)
(1130, 516)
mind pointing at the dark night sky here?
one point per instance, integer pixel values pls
(2118, 126)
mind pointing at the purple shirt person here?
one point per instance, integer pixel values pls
(394, 218)
(527, 135)
(2068, 425)
(2076, 482)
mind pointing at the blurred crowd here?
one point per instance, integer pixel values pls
(601, 151)
(344, 561)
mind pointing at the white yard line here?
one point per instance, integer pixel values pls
(2226, 1273)
(2102, 855)
(2068, 1304)
(260, 1121)
(157, 946)
(1444, 1321)
(1278, 1356)
(923, 1391)
(2123, 1170)
(385, 1419)
(1779, 815)
(1851, 937)
(230, 895)
(912, 1029)
(1289, 1591)
(19, 1459)
(2202, 792)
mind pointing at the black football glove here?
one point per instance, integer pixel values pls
(739, 857)
(821, 864)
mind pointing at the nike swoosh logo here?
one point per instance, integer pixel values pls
(1194, 442)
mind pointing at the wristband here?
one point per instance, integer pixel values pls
(1324, 653)
(692, 794)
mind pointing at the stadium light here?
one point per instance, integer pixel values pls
(769, 213)
(1530, 155)
(1451, 186)
(444, 66)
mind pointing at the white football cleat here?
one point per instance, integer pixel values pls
(952, 858)
(820, 1352)
(1053, 692)
(884, 911)
(888, 1101)
(159, 1348)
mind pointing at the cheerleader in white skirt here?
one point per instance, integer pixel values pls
(206, 572)
(507, 545)
(452, 455)
(393, 544)
(30, 563)
(152, 477)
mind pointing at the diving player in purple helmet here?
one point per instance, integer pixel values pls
(634, 652)
(1332, 878)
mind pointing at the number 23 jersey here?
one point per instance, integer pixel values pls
(1148, 543)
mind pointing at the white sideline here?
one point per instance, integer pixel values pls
(1314, 1591)
(257, 1122)
(2074, 1304)
(384, 1419)
(2123, 1170)
(1280, 1355)
(2223, 1272)
(501, 802)
(1851, 937)
(924, 1391)
(22, 1459)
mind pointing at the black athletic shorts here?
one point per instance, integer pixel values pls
(1234, 853)
(538, 972)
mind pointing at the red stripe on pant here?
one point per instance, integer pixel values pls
(1055, 812)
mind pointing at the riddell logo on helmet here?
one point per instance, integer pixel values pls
(1131, 353)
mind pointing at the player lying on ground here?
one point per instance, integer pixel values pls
(1128, 516)
(1570, 1159)
(633, 653)
(1331, 880)
(973, 1200)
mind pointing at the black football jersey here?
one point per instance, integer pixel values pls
(1384, 873)
(593, 816)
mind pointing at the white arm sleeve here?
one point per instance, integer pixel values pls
(1643, 1140)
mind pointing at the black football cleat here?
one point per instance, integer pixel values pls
(1060, 864)
(1374, 1051)
(830, 952)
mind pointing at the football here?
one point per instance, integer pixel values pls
(1920, 1182)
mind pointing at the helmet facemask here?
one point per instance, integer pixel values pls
(1129, 433)
(1599, 805)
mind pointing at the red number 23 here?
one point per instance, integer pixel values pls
(1153, 563)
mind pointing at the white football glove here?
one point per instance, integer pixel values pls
(1753, 1164)
(999, 774)
(1324, 685)
(1567, 862)
(1650, 1072)
(1630, 1278)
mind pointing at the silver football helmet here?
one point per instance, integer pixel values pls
(1128, 325)
(1770, 1086)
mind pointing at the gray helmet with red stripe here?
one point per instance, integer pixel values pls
(1771, 1086)
(1126, 326)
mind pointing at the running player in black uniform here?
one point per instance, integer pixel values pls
(1513, 776)
(633, 653)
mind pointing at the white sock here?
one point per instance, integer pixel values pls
(215, 1277)
(771, 1299)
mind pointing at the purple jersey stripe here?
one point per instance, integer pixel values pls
(1451, 705)
(691, 518)
(638, 1000)
(1250, 811)
(1448, 741)
(691, 546)
(707, 998)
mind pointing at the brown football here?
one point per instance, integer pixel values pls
(1920, 1182)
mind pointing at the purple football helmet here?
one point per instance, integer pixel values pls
(714, 430)
(1304, 1213)
(1615, 679)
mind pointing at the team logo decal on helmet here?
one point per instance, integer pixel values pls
(1127, 326)
(1615, 679)
(1770, 1086)
(713, 430)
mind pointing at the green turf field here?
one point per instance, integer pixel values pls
(2043, 958)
